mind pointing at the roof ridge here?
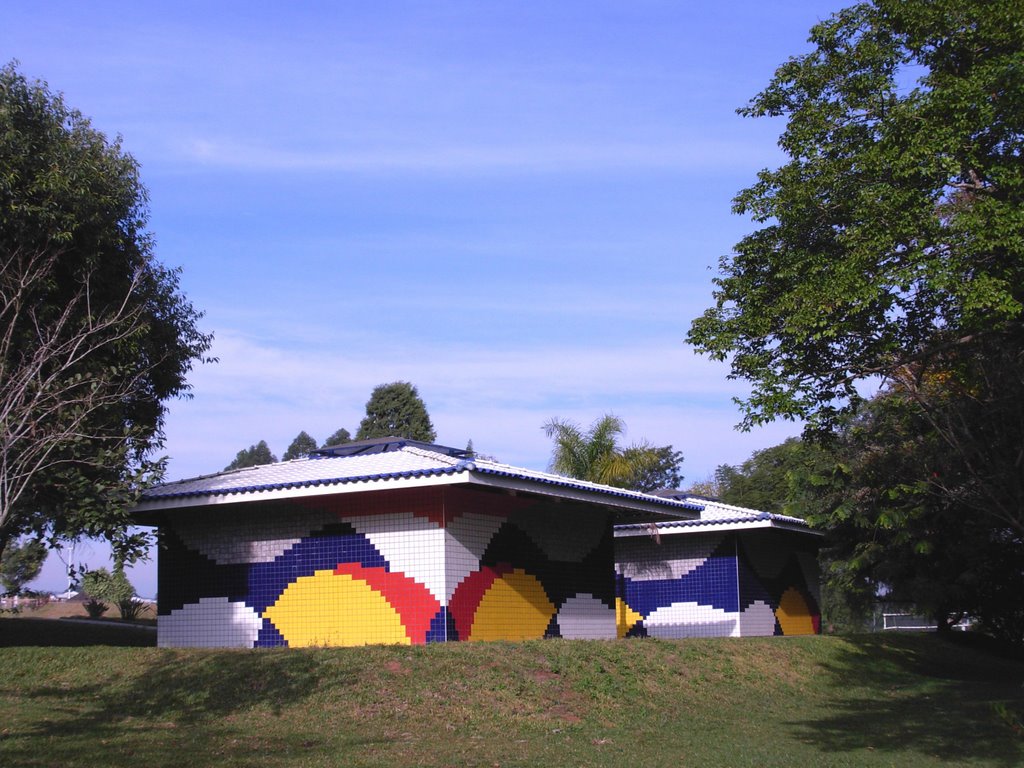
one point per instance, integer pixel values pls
(428, 454)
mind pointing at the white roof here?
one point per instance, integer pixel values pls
(381, 465)
(718, 516)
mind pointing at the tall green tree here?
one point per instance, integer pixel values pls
(253, 456)
(595, 455)
(894, 232)
(895, 522)
(892, 249)
(658, 472)
(340, 437)
(396, 410)
(95, 335)
(21, 562)
(708, 486)
(301, 446)
(774, 479)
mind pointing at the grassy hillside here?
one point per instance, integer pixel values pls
(817, 701)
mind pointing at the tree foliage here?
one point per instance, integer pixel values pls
(396, 410)
(108, 586)
(664, 472)
(773, 479)
(707, 486)
(894, 232)
(340, 437)
(898, 515)
(21, 562)
(301, 446)
(95, 335)
(892, 250)
(104, 587)
(253, 456)
(595, 455)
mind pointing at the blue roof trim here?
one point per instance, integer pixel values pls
(154, 494)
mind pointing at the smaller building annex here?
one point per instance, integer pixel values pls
(388, 541)
(734, 572)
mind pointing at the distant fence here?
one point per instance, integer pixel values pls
(21, 601)
(907, 622)
(910, 622)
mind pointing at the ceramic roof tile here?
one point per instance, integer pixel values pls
(405, 461)
(717, 513)
(310, 471)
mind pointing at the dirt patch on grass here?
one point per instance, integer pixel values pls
(75, 609)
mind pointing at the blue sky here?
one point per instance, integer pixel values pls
(517, 206)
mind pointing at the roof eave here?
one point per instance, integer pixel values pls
(299, 491)
(710, 527)
(659, 509)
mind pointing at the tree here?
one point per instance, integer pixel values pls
(773, 478)
(661, 473)
(396, 410)
(893, 234)
(95, 335)
(896, 522)
(302, 445)
(708, 487)
(340, 437)
(253, 456)
(106, 585)
(595, 455)
(21, 562)
(893, 250)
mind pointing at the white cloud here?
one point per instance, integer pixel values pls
(499, 398)
(572, 156)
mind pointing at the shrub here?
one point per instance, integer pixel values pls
(131, 608)
(96, 608)
(102, 587)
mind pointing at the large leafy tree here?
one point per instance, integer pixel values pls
(657, 471)
(595, 455)
(895, 519)
(774, 479)
(892, 251)
(396, 410)
(21, 562)
(894, 234)
(95, 335)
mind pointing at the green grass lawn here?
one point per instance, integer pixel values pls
(892, 700)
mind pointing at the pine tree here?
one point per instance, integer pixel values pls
(253, 456)
(301, 446)
(396, 410)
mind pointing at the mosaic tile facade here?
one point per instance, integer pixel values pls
(399, 566)
(732, 584)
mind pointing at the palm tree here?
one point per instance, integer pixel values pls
(594, 455)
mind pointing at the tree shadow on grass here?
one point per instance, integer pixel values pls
(188, 707)
(919, 693)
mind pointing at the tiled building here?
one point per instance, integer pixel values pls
(733, 572)
(388, 541)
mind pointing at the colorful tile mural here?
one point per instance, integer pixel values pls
(394, 541)
(400, 566)
(721, 584)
